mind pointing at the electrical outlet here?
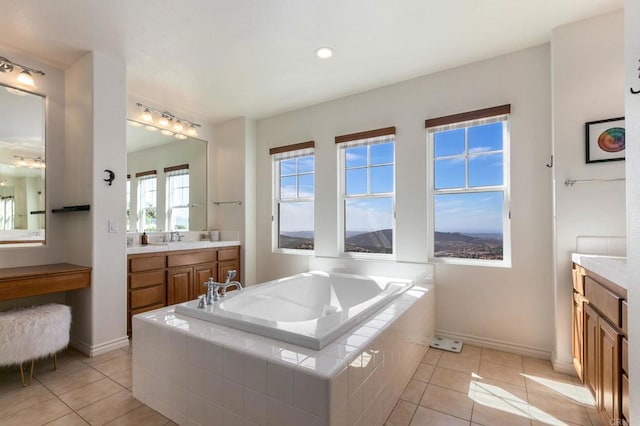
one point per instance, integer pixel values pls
(113, 226)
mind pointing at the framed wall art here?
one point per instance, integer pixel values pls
(605, 140)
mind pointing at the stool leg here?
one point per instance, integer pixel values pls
(33, 361)
(22, 375)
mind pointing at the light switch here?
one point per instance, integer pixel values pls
(113, 226)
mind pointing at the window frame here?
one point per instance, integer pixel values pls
(283, 153)
(367, 138)
(170, 174)
(500, 114)
(142, 177)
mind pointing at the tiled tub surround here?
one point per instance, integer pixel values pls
(195, 372)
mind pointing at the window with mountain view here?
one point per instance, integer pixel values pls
(294, 172)
(178, 197)
(368, 191)
(469, 185)
(147, 201)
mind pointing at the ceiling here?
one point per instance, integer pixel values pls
(220, 59)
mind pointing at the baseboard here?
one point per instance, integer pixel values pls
(100, 349)
(500, 345)
(565, 367)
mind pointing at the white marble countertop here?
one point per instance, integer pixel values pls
(179, 245)
(613, 268)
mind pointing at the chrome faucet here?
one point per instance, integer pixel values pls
(212, 289)
(175, 234)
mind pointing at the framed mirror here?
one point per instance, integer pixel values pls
(166, 180)
(22, 167)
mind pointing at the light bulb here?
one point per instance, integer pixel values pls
(26, 78)
(146, 115)
(178, 127)
(180, 136)
(151, 128)
(164, 120)
(191, 131)
(22, 162)
(324, 52)
(166, 132)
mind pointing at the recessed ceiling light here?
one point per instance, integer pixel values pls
(324, 52)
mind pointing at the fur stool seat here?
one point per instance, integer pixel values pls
(27, 334)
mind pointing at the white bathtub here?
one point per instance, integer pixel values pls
(309, 309)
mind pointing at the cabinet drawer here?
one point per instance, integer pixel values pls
(147, 296)
(625, 355)
(145, 279)
(146, 263)
(603, 300)
(625, 322)
(228, 253)
(191, 258)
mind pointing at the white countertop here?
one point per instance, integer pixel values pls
(179, 245)
(613, 268)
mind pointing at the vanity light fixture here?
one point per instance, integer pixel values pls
(25, 77)
(36, 162)
(173, 125)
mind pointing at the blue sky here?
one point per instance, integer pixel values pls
(370, 170)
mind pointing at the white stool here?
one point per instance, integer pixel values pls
(33, 333)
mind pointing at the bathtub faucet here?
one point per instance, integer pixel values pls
(212, 291)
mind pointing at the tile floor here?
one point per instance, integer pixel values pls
(476, 387)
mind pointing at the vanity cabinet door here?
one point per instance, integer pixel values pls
(609, 371)
(179, 283)
(202, 273)
(578, 333)
(590, 350)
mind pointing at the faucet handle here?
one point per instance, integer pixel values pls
(230, 275)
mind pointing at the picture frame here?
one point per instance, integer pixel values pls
(605, 140)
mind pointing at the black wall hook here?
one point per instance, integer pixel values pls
(111, 177)
(550, 165)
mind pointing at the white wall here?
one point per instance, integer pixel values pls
(96, 140)
(632, 114)
(495, 306)
(588, 80)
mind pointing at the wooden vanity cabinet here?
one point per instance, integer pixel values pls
(600, 353)
(159, 279)
(146, 288)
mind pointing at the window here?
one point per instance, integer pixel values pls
(7, 212)
(128, 203)
(178, 197)
(147, 201)
(294, 187)
(367, 169)
(469, 186)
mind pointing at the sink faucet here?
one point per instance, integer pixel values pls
(175, 234)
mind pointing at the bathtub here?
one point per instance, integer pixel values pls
(310, 309)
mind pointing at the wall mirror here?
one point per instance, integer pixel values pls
(22, 167)
(166, 180)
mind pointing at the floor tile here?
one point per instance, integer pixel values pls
(110, 408)
(413, 392)
(432, 356)
(451, 379)
(427, 417)
(504, 359)
(115, 365)
(39, 414)
(123, 378)
(447, 401)
(458, 362)
(506, 413)
(501, 373)
(71, 419)
(424, 372)
(487, 389)
(471, 351)
(93, 392)
(544, 405)
(15, 398)
(62, 382)
(401, 414)
(140, 416)
(106, 357)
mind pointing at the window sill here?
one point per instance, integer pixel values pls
(294, 251)
(471, 262)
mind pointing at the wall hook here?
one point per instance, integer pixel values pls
(111, 177)
(550, 165)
